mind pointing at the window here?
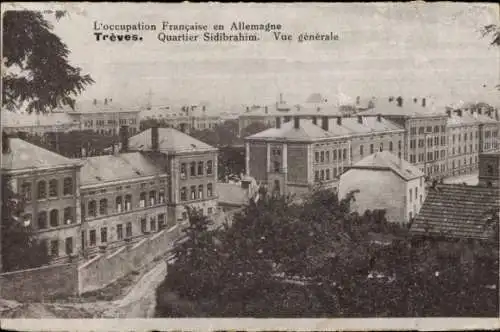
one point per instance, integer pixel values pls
(193, 192)
(436, 141)
(103, 206)
(67, 186)
(152, 224)
(334, 172)
(316, 156)
(420, 198)
(128, 202)
(412, 144)
(27, 219)
(92, 209)
(152, 197)
(119, 232)
(104, 235)
(322, 175)
(443, 128)
(161, 197)
(436, 129)
(327, 175)
(142, 200)
(192, 169)
(92, 237)
(344, 154)
(399, 145)
(184, 215)
(183, 194)
(42, 190)
(143, 225)
(410, 196)
(327, 156)
(277, 167)
(209, 167)
(420, 130)
(316, 176)
(371, 148)
(410, 215)
(200, 191)
(361, 147)
(69, 245)
(54, 248)
(322, 156)
(413, 131)
(128, 230)
(183, 171)
(334, 154)
(200, 168)
(429, 142)
(209, 210)
(119, 204)
(53, 188)
(161, 221)
(428, 129)
(209, 190)
(54, 218)
(26, 191)
(436, 155)
(416, 192)
(390, 146)
(429, 156)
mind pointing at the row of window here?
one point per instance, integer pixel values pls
(324, 174)
(459, 149)
(52, 218)
(431, 156)
(465, 162)
(428, 129)
(436, 141)
(90, 123)
(122, 205)
(197, 169)
(196, 194)
(54, 247)
(53, 189)
(324, 156)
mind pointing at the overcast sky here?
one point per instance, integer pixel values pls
(432, 49)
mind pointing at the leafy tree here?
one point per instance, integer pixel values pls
(36, 71)
(20, 249)
(253, 128)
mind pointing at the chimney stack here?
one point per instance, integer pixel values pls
(480, 111)
(105, 101)
(358, 100)
(379, 117)
(496, 115)
(459, 113)
(400, 101)
(391, 99)
(360, 119)
(94, 102)
(278, 122)
(124, 138)
(423, 102)
(315, 120)
(155, 144)
(339, 121)
(415, 100)
(296, 122)
(248, 109)
(266, 109)
(318, 109)
(204, 108)
(448, 112)
(324, 123)
(281, 98)
(5, 143)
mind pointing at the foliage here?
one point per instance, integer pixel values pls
(35, 65)
(253, 128)
(20, 249)
(493, 31)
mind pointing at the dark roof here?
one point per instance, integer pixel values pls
(384, 160)
(457, 211)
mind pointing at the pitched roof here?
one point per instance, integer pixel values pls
(384, 160)
(407, 109)
(468, 119)
(24, 155)
(307, 131)
(457, 211)
(124, 166)
(170, 140)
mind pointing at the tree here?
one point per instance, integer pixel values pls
(36, 72)
(493, 31)
(20, 249)
(253, 128)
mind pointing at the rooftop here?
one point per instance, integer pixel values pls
(457, 211)
(124, 166)
(468, 119)
(408, 108)
(100, 107)
(384, 160)
(307, 131)
(170, 140)
(234, 194)
(24, 155)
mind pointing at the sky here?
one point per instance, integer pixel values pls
(408, 49)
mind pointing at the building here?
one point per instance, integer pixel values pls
(235, 195)
(105, 117)
(306, 152)
(385, 182)
(190, 165)
(38, 124)
(49, 185)
(424, 144)
(489, 169)
(123, 198)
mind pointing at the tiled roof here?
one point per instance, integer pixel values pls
(24, 155)
(125, 166)
(14, 119)
(385, 160)
(307, 131)
(469, 119)
(170, 140)
(409, 108)
(370, 124)
(306, 110)
(457, 211)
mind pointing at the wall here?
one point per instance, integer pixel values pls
(378, 190)
(106, 268)
(40, 283)
(297, 163)
(258, 161)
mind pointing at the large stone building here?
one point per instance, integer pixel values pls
(301, 153)
(385, 182)
(49, 186)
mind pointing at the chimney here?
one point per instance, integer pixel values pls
(204, 108)
(110, 100)
(124, 138)
(278, 122)
(155, 144)
(5, 143)
(423, 102)
(324, 123)
(339, 120)
(459, 113)
(415, 100)
(400, 101)
(480, 111)
(266, 109)
(496, 115)
(318, 109)
(281, 98)
(94, 102)
(105, 101)
(248, 109)
(358, 100)
(360, 119)
(448, 112)
(488, 112)
(379, 117)
(296, 122)
(315, 120)
(391, 99)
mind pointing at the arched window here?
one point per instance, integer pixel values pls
(200, 191)
(119, 206)
(142, 200)
(152, 197)
(103, 206)
(200, 168)
(161, 197)
(42, 220)
(42, 190)
(209, 190)
(26, 191)
(209, 167)
(53, 192)
(54, 218)
(390, 146)
(68, 215)
(192, 169)
(183, 194)
(68, 186)
(92, 210)
(193, 192)
(128, 202)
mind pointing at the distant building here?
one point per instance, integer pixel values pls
(386, 182)
(38, 124)
(49, 185)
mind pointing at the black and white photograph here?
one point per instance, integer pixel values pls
(260, 166)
